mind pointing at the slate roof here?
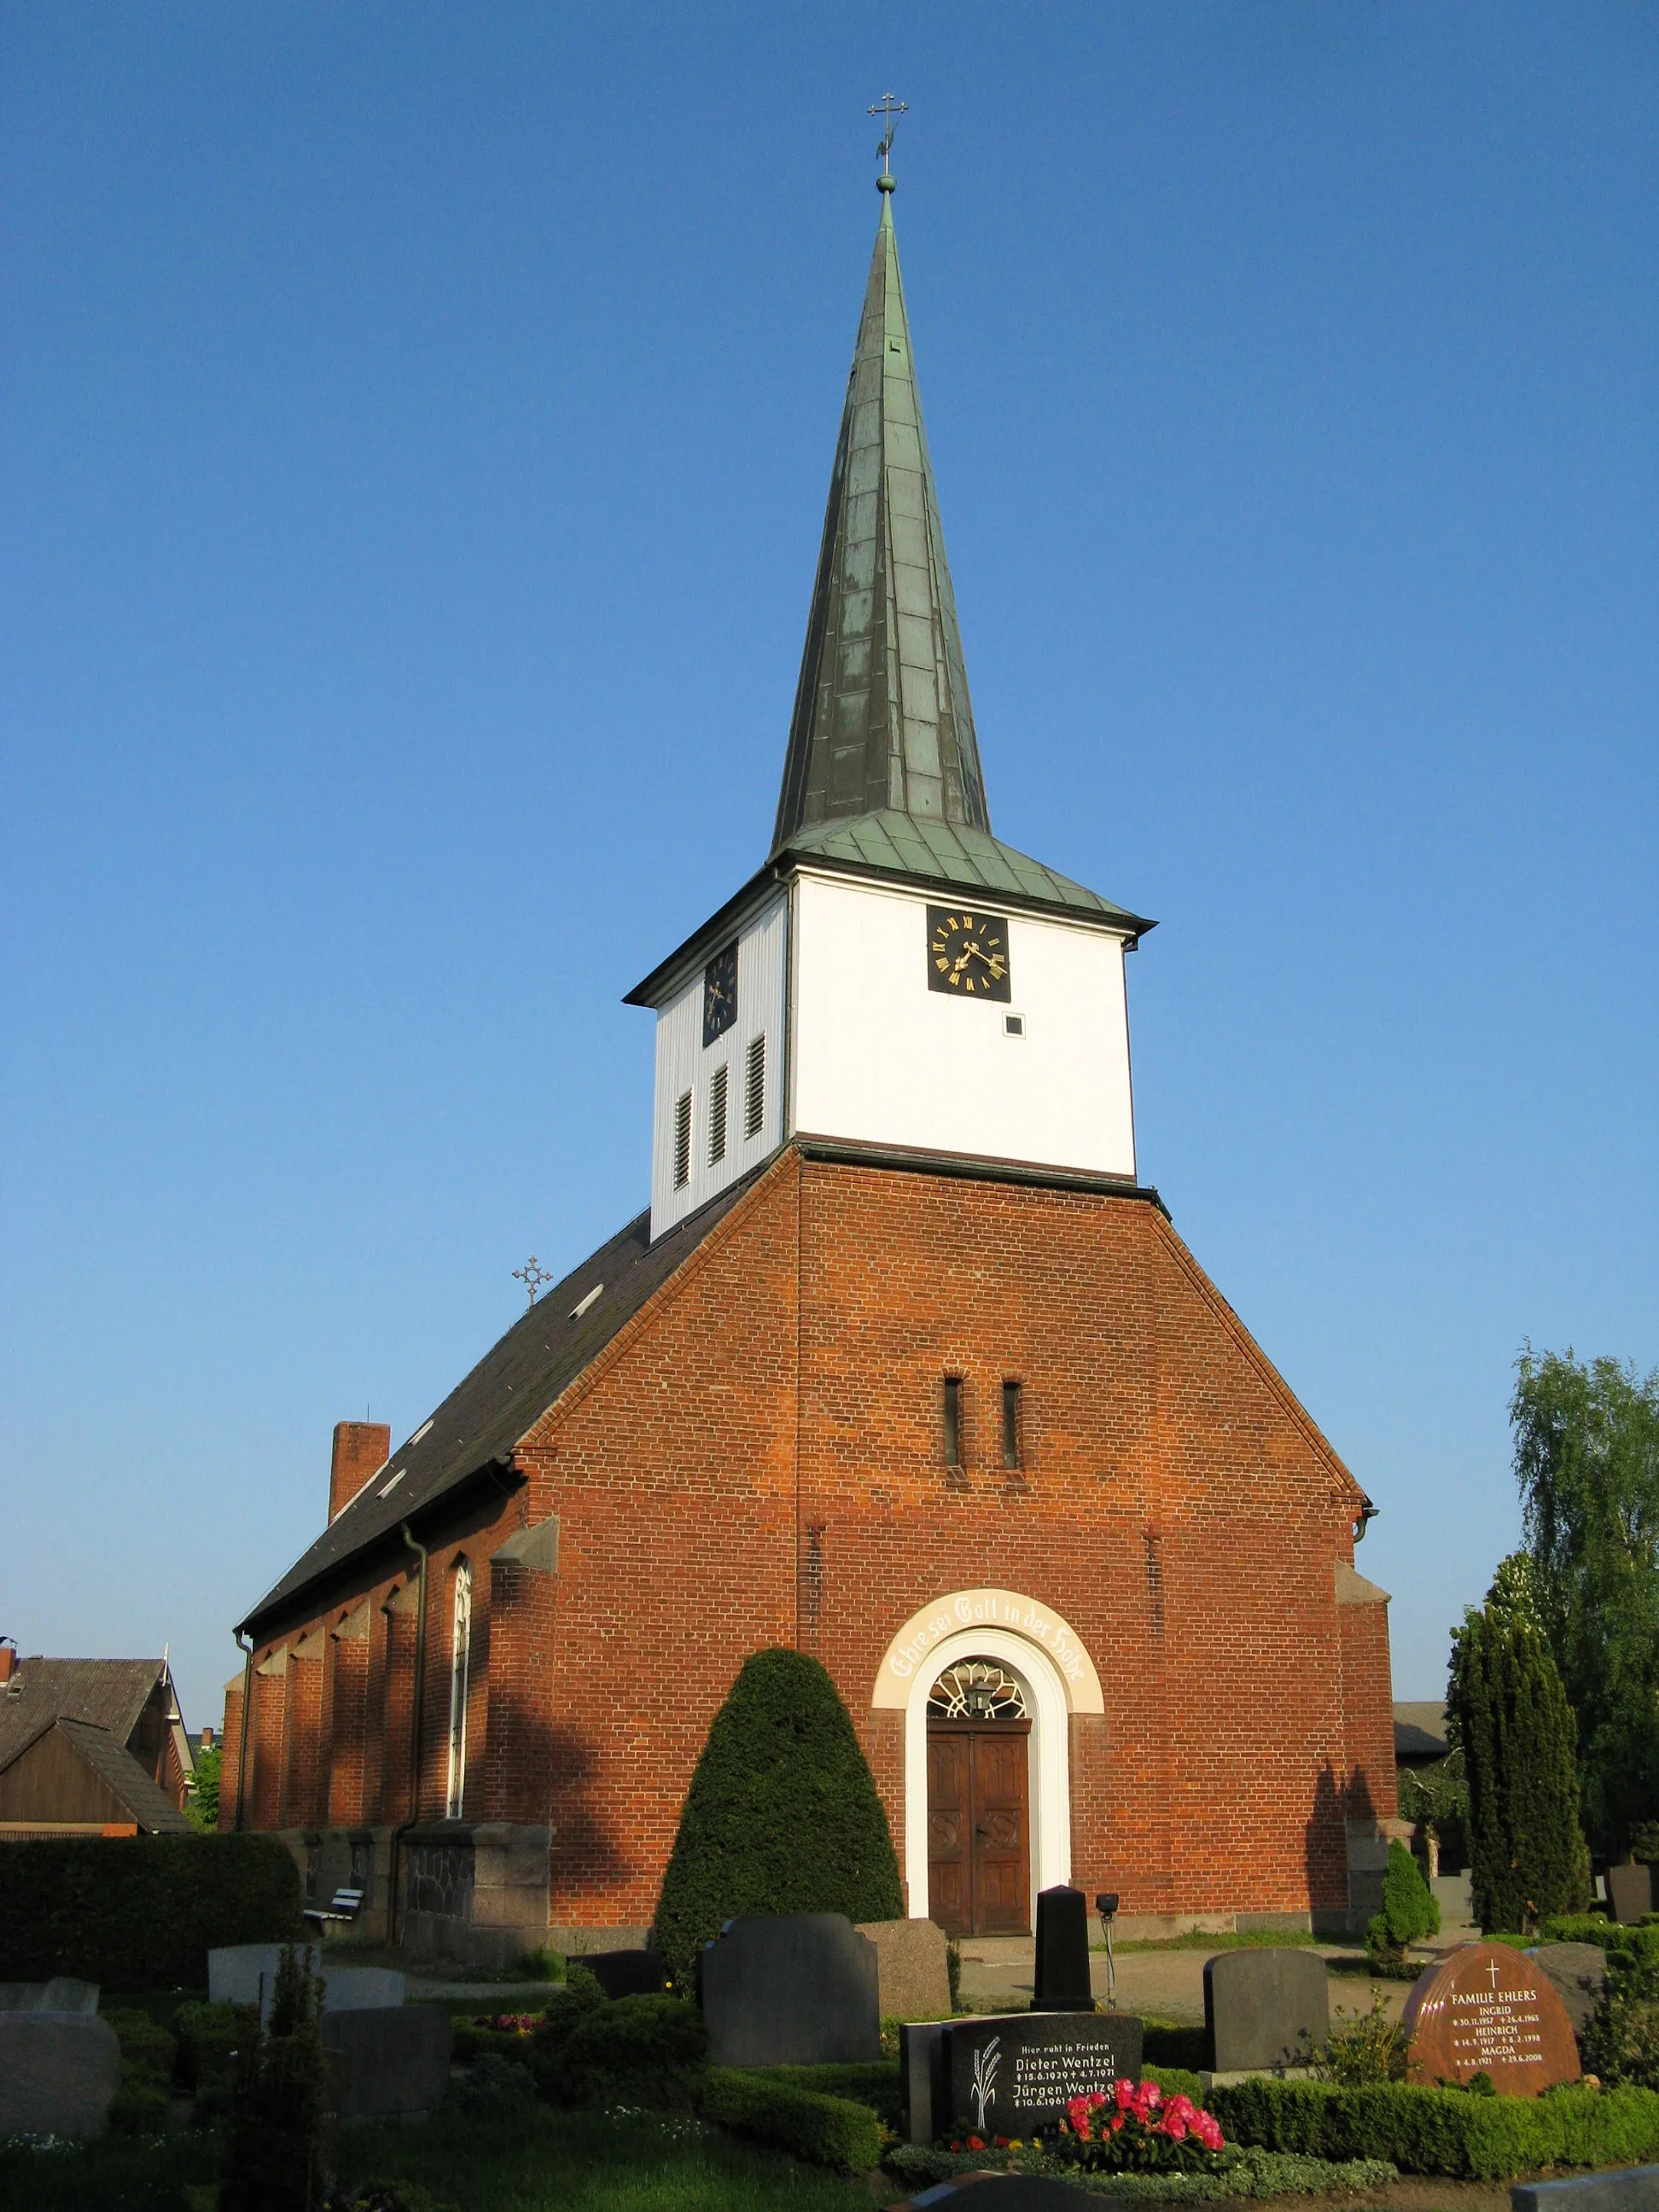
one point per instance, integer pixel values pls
(1420, 1731)
(150, 1806)
(882, 715)
(108, 1693)
(494, 1406)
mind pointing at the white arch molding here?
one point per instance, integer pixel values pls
(1053, 1668)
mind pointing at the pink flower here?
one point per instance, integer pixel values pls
(1077, 2111)
(1117, 2122)
(1208, 2131)
(1126, 2094)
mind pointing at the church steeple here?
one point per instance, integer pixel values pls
(882, 719)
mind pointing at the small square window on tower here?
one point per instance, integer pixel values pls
(1010, 1440)
(682, 1140)
(754, 1104)
(953, 1420)
(717, 1088)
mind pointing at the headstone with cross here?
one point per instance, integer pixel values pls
(1489, 2009)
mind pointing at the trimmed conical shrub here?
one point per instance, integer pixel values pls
(781, 1816)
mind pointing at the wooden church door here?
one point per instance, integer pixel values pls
(978, 1827)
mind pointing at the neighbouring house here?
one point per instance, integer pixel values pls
(1419, 1733)
(91, 1746)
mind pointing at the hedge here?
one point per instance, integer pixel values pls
(877, 2083)
(1444, 2132)
(141, 1912)
(1175, 2081)
(826, 2130)
(1617, 1940)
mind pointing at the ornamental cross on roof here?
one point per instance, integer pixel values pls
(882, 721)
(890, 109)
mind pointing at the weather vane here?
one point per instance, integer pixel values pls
(890, 109)
(532, 1275)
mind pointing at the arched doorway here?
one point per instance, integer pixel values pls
(1057, 1678)
(979, 1729)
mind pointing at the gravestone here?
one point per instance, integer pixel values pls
(1014, 2071)
(62, 1993)
(1629, 1893)
(924, 2080)
(1062, 1952)
(1626, 2189)
(246, 1973)
(384, 2060)
(1264, 2007)
(58, 2073)
(362, 1988)
(913, 1981)
(789, 1990)
(1489, 2009)
(627, 1974)
(1578, 1974)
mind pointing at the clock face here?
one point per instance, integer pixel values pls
(719, 994)
(968, 952)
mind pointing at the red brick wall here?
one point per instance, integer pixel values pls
(346, 1743)
(757, 1458)
(360, 1448)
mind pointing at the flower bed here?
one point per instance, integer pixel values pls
(1138, 2130)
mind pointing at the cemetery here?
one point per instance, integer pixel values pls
(774, 2045)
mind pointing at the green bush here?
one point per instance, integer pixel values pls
(141, 1912)
(644, 2050)
(1621, 2042)
(209, 2037)
(1164, 2044)
(1444, 2132)
(1175, 2081)
(494, 2088)
(1616, 1939)
(824, 2130)
(1357, 2053)
(877, 2084)
(273, 2158)
(147, 2054)
(1410, 1910)
(782, 1815)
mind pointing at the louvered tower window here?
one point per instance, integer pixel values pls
(682, 1140)
(754, 1104)
(717, 1089)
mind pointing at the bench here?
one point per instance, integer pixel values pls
(346, 1905)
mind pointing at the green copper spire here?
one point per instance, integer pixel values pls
(882, 716)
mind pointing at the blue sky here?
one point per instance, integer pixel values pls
(415, 426)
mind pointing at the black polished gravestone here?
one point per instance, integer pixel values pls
(627, 1974)
(1264, 2007)
(1011, 2072)
(1062, 1952)
(790, 1989)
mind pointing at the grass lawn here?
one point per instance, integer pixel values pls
(544, 2161)
(1249, 1939)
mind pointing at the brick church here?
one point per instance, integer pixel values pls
(902, 1366)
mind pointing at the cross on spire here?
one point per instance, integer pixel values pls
(532, 1276)
(890, 109)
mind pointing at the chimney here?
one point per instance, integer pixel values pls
(360, 1450)
(8, 1661)
(207, 1737)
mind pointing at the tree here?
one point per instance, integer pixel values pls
(1410, 1910)
(202, 1806)
(781, 1816)
(1587, 1460)
(273, 2155)
(1509, 1715)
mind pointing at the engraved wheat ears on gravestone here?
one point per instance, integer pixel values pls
(987, 2059)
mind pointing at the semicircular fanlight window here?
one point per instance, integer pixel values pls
(976, 1689)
